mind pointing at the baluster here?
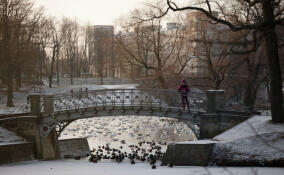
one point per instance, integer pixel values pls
(123, 97)
(71, 93)
(105, 98)
(160, 101)
(140, 96)
(150, 97)
(86, 93)
(131, 97)
(66, 104)
(114, 97)
(147, 100)
(95, 98)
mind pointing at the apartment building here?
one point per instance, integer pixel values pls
(100, 50)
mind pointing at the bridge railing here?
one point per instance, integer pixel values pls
(119, 97)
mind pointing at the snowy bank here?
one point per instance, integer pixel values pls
(256, 141)
(7, 137)
(256, 125)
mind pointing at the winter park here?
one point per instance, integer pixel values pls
(188, 87)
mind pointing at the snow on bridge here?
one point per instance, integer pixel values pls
(59, 110)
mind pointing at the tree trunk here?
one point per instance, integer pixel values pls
(162, 82)
(248, 96)
(10, 90)
(161, 79)
(50, 81)
(217, 84)
(72, 69)
(71, 75)
(40, 69)
(51, 73)
(274, 64)
(276, 79)
(57, 66)
(18, 79)
(132, 72)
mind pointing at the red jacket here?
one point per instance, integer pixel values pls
(184, 89)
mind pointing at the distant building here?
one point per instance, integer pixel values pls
(197, 22)
(100, 49)
(172, 26)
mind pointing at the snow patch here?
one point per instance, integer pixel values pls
(197, 142)
(73, 167)
(255, 141)
(256, 125)
(7, 137)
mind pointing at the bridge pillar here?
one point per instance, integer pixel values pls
(214, 122)
(48, 103)
(34, 103)
(212, 125)
(26, 127)
(215, 100)
(49, 146)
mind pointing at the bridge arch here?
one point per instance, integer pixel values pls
(54, 112)
(58, 110)
(59, 126)
(166, 125)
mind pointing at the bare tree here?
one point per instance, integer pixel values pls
(251, 73)
(18, 20)
(213, 47)
(83, 52)
(259, 15)
(153, 49)
(70, 45)
(50, 40)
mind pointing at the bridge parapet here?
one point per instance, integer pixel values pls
(215, 100)
(66, 107)
(56, 111)
(116, 97)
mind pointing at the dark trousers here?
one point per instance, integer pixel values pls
(184, 100)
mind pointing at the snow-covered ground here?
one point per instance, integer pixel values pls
(256, 140)
(256, 125)
(7, 137)
(64, 89)
(20, 101)
(83, 167)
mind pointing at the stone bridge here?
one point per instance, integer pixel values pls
(58, 110)
(51, 113)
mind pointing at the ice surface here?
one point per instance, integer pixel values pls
(123, 131)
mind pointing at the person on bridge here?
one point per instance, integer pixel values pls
(184, 90)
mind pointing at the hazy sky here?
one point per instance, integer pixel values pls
(98, 12)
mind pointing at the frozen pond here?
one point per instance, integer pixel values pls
(122, 131)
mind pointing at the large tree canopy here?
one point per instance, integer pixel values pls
(260, 16)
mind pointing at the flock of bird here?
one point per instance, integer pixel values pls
(128, 139)
(138, 153)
